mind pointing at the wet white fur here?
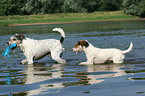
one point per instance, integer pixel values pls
(97, 55)
(34, 49)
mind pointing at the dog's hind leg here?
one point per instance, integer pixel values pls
(118, 59)
(55, 54)
(61, 54)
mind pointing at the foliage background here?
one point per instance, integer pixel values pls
(28, 7)
(134, 7)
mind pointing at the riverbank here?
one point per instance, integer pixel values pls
(64, 18)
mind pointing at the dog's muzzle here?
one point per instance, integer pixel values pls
(14, 48)
(76, 50)
(9, 44)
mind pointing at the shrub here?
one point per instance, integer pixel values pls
(11, 7)
(134, 7)
(43, 6)
(110, 5)
(23, 7)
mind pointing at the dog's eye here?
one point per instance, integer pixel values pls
(14, 39)
(79, 43)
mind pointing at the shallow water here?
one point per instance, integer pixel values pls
(47, 78)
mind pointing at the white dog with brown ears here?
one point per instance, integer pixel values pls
(97, 55)
(37, 49)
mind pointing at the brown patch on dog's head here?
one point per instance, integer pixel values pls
(82, 43)
(20, 37)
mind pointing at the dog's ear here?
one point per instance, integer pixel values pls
(19, 37)
(86, 44)
(79, 43)
(22, 37)
(83, 43)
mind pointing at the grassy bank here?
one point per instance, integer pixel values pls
(62, 17)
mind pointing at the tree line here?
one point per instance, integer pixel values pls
(28, 7)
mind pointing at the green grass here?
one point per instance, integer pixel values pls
(62, 17)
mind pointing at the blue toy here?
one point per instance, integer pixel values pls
(6, 53)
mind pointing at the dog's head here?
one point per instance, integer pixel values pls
(17, 38)
(80, 45)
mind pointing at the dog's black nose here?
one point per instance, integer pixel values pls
(8, 43)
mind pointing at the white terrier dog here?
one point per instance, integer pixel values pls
(37, 49)
(97, 55)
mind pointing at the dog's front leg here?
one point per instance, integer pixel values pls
(90, 60)
(86, 63)
(29, 56)
(29, 59)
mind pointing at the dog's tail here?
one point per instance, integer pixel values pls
(129, 49)
(61, 32)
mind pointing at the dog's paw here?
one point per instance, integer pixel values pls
(24, 61)
(85, 63)
(62, 62)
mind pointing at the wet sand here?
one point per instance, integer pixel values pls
(75, 22)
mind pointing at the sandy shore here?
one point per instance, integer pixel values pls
(74, 22)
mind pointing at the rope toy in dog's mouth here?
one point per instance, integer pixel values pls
(6, 52)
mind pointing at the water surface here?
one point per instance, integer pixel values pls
(47, 78)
